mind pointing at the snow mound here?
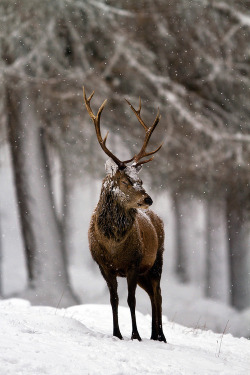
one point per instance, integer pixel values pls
(78, 340)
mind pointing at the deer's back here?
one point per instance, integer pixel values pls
(142, 242)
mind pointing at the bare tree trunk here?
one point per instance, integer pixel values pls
(190, 242)
(66, 207)
(79, 198)
(181, 230)
(164, 207)
(217, 265)
(48, 279)
(239, 251)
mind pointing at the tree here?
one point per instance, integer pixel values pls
(217, 271)
(189, 58)
(47, 273)
(238, 223)
(48, 279)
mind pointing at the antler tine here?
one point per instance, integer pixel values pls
(142, 154)
(91, 96)
(148, 154)
(149, 131)
(138, 113)
(96, 120)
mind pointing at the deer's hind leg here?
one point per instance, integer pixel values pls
(114, 299)
(150, 282)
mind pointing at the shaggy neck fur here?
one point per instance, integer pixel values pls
(113, 220)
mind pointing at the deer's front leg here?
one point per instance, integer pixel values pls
(132, 278)
(114, 300)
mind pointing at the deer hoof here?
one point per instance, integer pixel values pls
(136, 336)
(118, 334)
(159, 337)
(162, 338)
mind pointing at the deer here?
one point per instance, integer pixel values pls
(126, 238)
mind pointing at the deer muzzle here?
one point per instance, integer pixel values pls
(148, 201)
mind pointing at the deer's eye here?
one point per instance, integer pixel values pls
(125, 183)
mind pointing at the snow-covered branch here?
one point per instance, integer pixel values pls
(109, 9)
(242, 18)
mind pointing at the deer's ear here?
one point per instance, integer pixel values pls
(138, 168)
(111, 167)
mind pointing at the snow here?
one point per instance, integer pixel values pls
(78, 340)
(111, 167)
(132, 172)
(118, 193)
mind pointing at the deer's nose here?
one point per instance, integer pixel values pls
(148, 201)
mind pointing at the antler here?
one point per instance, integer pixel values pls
(96, 121)
(149, 130)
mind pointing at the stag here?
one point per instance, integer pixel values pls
(126, 238)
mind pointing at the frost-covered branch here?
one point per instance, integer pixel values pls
(242, 18)
(110, 9)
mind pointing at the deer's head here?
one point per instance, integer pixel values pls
(122, 179)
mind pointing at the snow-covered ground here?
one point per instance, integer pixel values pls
(78, 340)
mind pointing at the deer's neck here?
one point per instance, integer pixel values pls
(113, 219)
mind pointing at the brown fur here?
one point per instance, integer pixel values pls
(126, 241)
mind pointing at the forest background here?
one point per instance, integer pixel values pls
(189, 58)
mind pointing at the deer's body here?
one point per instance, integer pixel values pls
(124, 239)
(119, 237)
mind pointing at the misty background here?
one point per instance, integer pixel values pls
(189, 58)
